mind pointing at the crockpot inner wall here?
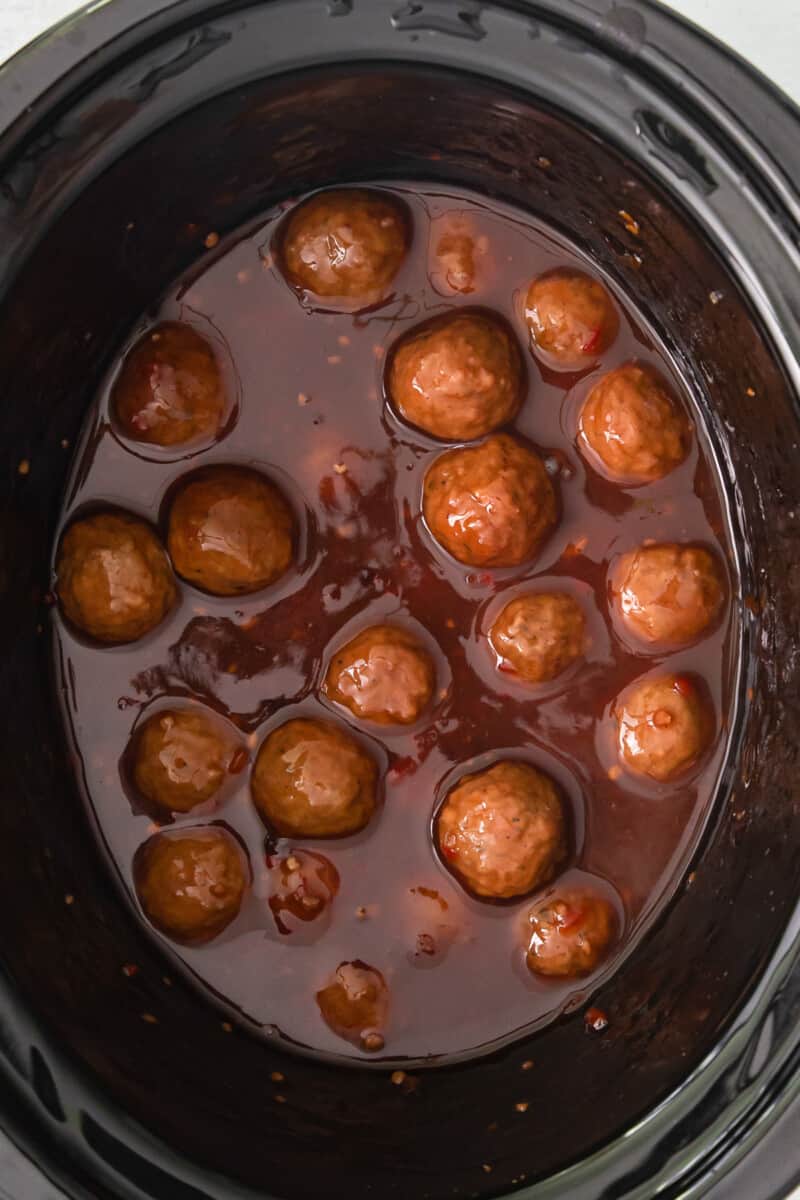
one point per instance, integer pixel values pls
(91, 274)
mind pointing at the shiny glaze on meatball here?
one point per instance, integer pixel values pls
(169, 391)
(191, 882)
(667, 594)
(355, 1005)
(457, 377)
(113, 578)
(539, 635)
(489, 505)
(312, 779)
(502, 831)
(571, 318)
(664, 725)
(182, 757)
(230, 531)
(632, 427)
(383, 674)
(569, 933)
(346, 244)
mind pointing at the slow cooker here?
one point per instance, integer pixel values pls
(124, 129)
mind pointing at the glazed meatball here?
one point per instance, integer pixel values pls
(502, 831)
(302, 888)
(191, 882)
(311, 779)
(665, 724)
(571, 318)
(182, 757)
(384, 674)
(346, 244)
(668, 594)
(113, 577)
(355, 1005)
(458, 377)
(169, 391)
(539, 635)
(230, 531)
(570, 933)
(489, 505)
(632, 426)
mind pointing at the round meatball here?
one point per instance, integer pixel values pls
(355, 1005)
(502, 831)
(668, 594)
(539, 635)
(169, 391)
(383, 674)
(311, 779)
(571, 318)
(230, 531)
(181, 757)
(664, 726)
(113, 578)
(489, 505)
(570, 933)
(457, 377)
(346, 244)
(302, 888)
(632, 426)
(191, 882)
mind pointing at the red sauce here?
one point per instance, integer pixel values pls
(311, 416)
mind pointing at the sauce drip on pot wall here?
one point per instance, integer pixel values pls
(306, 408)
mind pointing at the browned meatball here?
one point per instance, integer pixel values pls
(457, 377)
(383, 674)
(489, 505)
(539, 635)
(570, 933)
(355, 1005)
(302, 888)
(312, 779)
(181, 757)
(169, 391)
(665, 724)
(346, 244)
(230, 531)
(191, 882)
(571, 318)
(668, 594)
(502, 831)
(113, 577)
(632, 425)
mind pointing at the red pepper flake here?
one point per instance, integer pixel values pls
(401, 768)
(684, 687)
(450, 852)
(211, 240)
(149, 1019)
(749, 392)
(630, 223)
(596, 1020)
(239, 761)
(592, 341)
(130, 969)
(614, 773)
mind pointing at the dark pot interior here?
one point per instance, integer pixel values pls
(79, 279)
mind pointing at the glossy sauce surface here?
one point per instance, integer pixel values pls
(310, 414)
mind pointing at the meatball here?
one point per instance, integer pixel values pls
(181, 757)
(668, 594)
(632, 425)
(489, 505)
(383, 674)
(113, 577)
(303, 885)
(502, 831)
(457, 377)
(539, 635)
(571, 318)
(191, 882)
(346, 244)
(355, 1004)
(311, 779)
(230, 531)
(665, 724)
(570, 933)
(169, 391)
